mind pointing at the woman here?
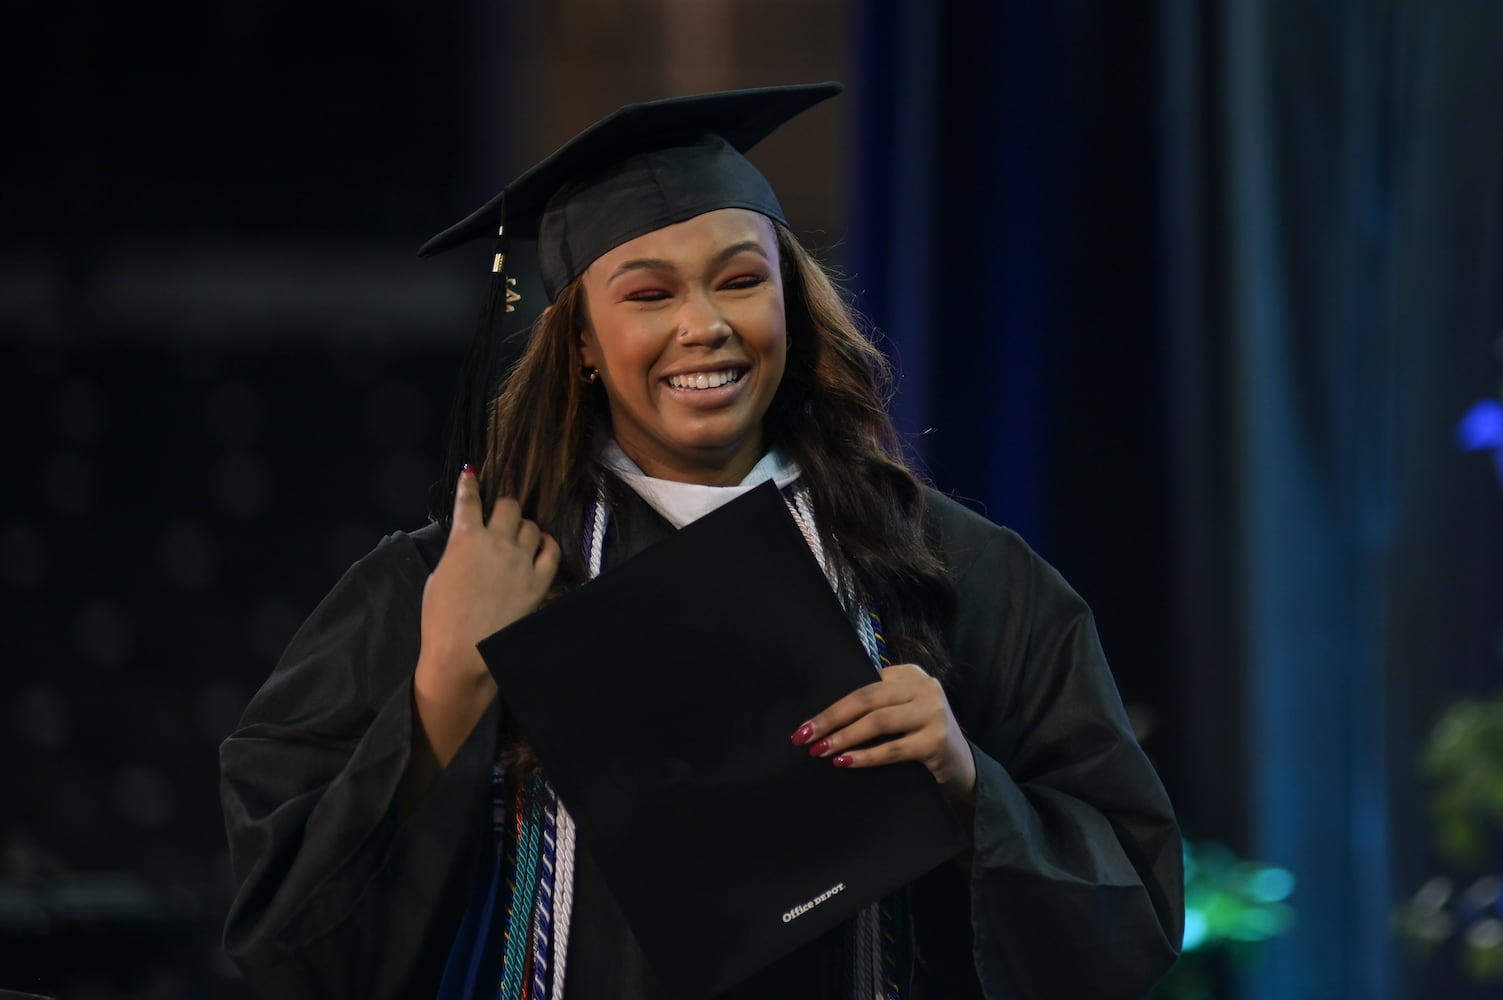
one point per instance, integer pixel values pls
(691, 349)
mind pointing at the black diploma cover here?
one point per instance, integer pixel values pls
(661, 697)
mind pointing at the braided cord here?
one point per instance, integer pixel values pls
(519, 918)
(871, 637)
(509, 834)
(874, 959)
(563, 899)
(542, 914)
(889, 970)
(867, 962)
(889, 949)
(560, 842)
(594, 536)
(535, 847)
(875, 620)
(801, 506)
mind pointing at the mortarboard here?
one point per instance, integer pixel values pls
(640, 168)
(668, 737)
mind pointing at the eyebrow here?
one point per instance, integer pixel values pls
(659, 264)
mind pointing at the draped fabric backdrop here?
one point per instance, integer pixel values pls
(1002, 238)
(1193, 300)
(1192, 295)
(1306, 156)
(1441, 301)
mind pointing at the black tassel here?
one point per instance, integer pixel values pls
(491, 355)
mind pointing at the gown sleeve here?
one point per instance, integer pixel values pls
(1076, 885)
(340, 892)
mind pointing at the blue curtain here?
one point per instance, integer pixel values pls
(1193, 297)
(942, 248)
(1308, 170)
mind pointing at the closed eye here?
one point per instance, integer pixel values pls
(744, 281)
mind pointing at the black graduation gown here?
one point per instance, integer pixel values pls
(1073, 886)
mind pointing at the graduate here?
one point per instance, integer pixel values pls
(393, 830)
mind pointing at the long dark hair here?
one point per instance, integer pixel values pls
(829, 415)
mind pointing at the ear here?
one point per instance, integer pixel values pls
(587, 353)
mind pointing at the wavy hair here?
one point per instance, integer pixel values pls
(829, 414)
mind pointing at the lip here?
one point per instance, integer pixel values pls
(708, 399)
(729, 364)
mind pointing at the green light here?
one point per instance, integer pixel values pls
(1271, 885)
(1195, 929)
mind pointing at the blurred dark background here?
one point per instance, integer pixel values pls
(1192, 295)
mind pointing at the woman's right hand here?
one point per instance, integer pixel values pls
(491, 574)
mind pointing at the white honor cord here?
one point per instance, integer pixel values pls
(563, 899)
(563, 892)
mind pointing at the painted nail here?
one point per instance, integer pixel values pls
(469, 469)
(804, 734)
(843, 760)
(821, 748)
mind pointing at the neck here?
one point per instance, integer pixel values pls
(728, 473)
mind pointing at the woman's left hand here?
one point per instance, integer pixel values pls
(910, 707)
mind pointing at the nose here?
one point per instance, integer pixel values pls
(701, 323)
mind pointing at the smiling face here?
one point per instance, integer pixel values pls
(686, 328)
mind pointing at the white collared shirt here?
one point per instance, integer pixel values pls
(681, 503)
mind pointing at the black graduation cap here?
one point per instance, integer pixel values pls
(638, 169)
(667, 736)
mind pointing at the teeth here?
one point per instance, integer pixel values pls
(704, 380)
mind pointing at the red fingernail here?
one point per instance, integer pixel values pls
(821, 748)
(804, 734)
(843, 760)
(469, 469)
